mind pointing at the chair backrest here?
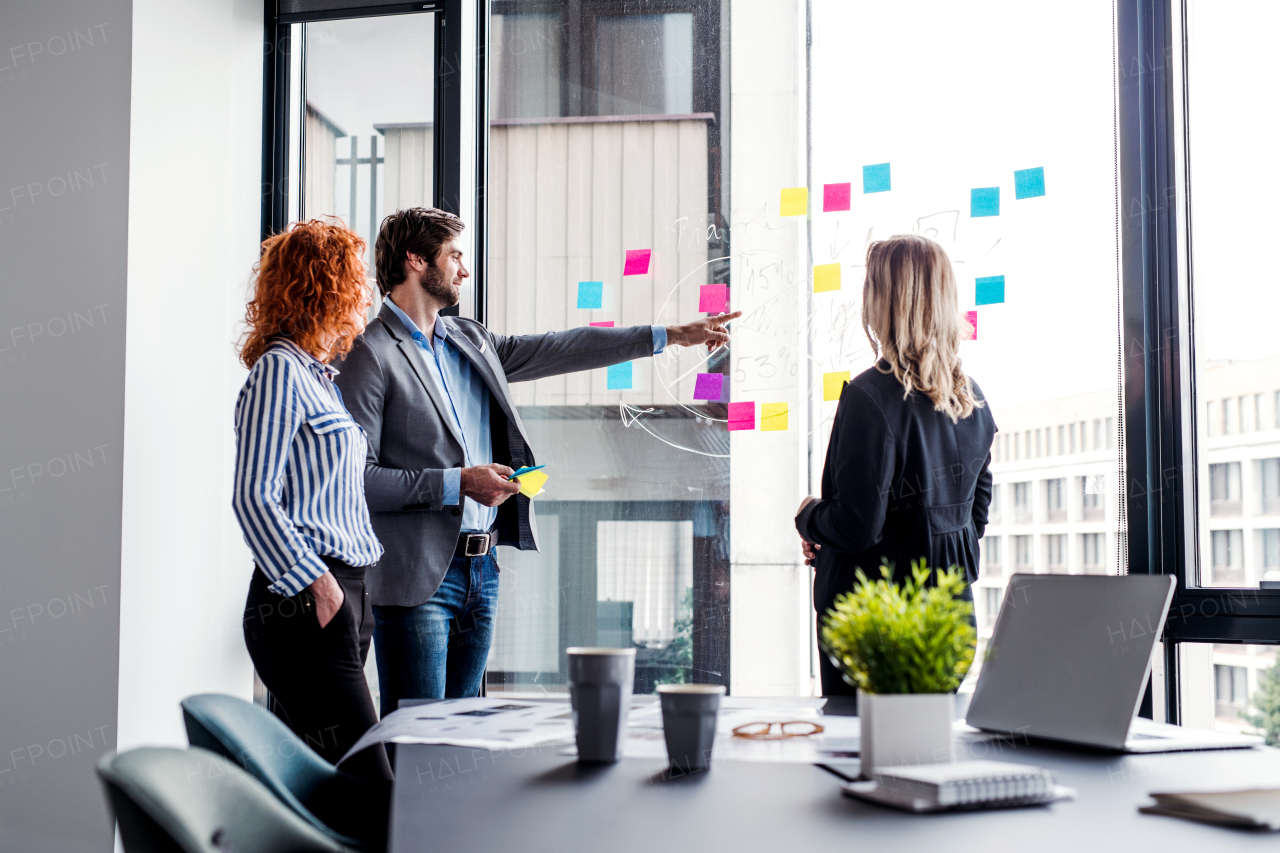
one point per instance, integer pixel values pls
(193, 801)
(254, 738)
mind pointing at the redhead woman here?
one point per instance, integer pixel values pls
(907, 472)
(299, 492)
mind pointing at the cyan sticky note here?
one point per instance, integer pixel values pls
(875, 179)
(713, 298)
(989, 290)
(1028, 183)
(618, 377)
(708, 386)
(984, 201)
(835, 197)
(591, 294)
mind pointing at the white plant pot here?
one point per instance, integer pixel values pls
(905, 728)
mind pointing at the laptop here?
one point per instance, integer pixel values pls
(1069, 660)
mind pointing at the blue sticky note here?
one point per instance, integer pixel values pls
(875, 179)
(989, 290)
(591, 294)
(1028, 183)
(619, 377)
(984, 201)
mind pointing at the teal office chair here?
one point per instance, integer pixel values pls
(351, 811)
(192, 801)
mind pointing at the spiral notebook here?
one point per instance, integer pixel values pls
(960, 785)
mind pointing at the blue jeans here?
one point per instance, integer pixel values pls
(438, 650)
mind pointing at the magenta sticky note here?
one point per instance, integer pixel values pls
(708, 386)
(835, 197)
(713, 298)
(742, 415)
(637, 262)
(604, 324)
(972, 317)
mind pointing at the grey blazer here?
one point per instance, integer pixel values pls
(411, 443)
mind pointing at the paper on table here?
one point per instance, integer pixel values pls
(481, 723)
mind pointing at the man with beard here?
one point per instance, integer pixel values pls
(444, 436)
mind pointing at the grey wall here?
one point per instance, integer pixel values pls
(64, 157)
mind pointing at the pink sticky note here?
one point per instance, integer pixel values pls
(708, 386)
(835, 197)
(604, 324)
(742, 415)
(972, 317)
(637, 262)
(713, 298)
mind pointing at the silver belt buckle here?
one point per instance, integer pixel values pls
(478, 541)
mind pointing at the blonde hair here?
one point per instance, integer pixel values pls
(911, 315)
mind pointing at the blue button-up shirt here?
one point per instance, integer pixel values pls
(468, 398)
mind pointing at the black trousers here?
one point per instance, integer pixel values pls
(316, 675)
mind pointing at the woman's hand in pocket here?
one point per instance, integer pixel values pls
(328, 596)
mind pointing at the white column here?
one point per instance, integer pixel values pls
(771, 601)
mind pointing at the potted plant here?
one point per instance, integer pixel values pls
(906, 647)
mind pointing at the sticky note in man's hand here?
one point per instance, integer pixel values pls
(531, 482)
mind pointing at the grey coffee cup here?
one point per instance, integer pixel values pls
(689, 723)
(600, 690)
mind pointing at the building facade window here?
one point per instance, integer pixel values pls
(1091, 490)
(1055, 552)
(1231, 690)
(1055, 500)
(1269, 546)
(1269, 485)
(1022, 509)
(1092, 556)
(994, 511)
(991, 556)
(1023, 560)
(991, 600)
(1224, 488)
(1227, 547)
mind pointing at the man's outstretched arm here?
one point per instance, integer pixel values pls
(526, 357)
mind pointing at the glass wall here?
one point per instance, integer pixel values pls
(991, 129)
(367, 133)
(605, 207)
(1232, 298)
(716, 142)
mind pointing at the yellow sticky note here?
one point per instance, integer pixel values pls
(773, 416)
(531, 483)
(826, 277)
(833, 384)
(795, 201)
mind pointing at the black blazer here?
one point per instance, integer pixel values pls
(900, 482)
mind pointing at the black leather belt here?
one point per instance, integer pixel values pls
(476, 544)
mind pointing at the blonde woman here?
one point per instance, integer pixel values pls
(907, 472)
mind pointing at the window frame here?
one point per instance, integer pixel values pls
(1157, 327)
(447, 109)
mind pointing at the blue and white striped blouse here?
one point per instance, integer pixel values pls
(299, 487)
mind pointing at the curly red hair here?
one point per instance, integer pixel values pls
(310, 280)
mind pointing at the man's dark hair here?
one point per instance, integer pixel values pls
(421, 230)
